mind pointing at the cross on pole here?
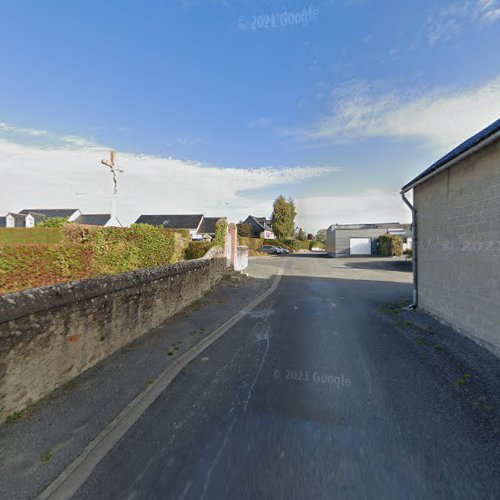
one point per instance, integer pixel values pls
(114, 170)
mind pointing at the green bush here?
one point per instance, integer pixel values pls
(316, 244)
(291, 245)
(245, 229)
(183, 232)
(30, 235)
(251, 243)
(302, 245)
(219, 239)
(390, 245)
(28, 266)
(87, 251)
(53, 222)
(124, 249)
(197, 249)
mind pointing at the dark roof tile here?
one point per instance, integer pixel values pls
(93, 219)
(208, 225)
(171, 221)
(51, 212)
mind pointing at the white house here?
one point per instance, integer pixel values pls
(28, 219)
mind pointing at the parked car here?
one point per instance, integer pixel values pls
(283, 251)
(269, 249)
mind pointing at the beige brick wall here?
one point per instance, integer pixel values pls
(50, 335)
(459, 245)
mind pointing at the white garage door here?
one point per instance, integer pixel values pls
(360, 246)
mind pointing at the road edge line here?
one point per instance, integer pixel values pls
(77, 472)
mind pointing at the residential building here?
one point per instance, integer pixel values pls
(207, 227)
(199, 226)
(174, 221)
(456, 209)
(28, 219)
(104, 220)
(362, 239)
(2, 221)
(50, 213)
(261, 227)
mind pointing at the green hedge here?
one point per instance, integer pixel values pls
(251, 243)
(288, 244)
(30, 235)
(53, 222)
(87, 251)
(390, 245)
(197, 249)
(183, 232)
(29, 266)
(220, 233)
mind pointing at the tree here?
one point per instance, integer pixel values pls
(245, 229)
(291, 216)
(321, 236)
(302, 234)
(283, 219)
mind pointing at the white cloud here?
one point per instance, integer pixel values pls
(261, 122)
(364, 207)
(52, 177)
(442, 118)
(444, 23)
(6, 128)
(73, 177)
(186, 141)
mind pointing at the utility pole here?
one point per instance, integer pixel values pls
(114, 172)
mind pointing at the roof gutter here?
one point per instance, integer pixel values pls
(414, 247)
(460, 157)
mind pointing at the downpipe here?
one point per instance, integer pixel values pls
(414, 304)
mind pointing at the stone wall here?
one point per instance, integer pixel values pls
(51, 334)
(459, 245)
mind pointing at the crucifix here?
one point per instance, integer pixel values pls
(114, 172)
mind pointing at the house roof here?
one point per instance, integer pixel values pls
(38, 217)
(264, 223)
(51, 212)
(482, 138)
(172, 221)
(208, 225)
(18, 216)
(93, 219)
(378, 225)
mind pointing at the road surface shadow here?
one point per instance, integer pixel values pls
(396, 265)
(317, 255)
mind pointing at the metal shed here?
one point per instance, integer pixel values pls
(361, 239)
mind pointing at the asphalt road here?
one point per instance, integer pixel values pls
(316, 394)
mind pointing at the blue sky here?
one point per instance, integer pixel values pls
(337, 103)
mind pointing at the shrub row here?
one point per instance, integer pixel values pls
(26, 235)
(251, 243)
(29, 266)
(197, 249)
(390, 245)
(87, 251)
